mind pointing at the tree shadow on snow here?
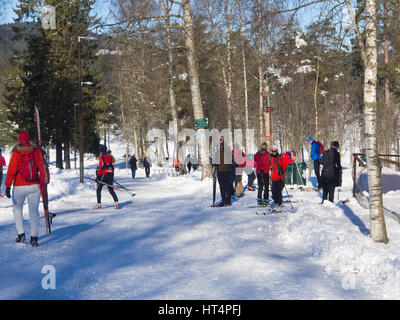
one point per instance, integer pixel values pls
(355, 220)
(66, 233)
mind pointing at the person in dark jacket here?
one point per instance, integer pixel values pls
(189, 163)
(331, 171)
(133, 164)
(147, 165)
(224, 173)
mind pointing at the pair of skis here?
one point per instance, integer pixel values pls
(48, 217)
(119, 187)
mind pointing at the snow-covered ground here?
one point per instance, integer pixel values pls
(168, 243)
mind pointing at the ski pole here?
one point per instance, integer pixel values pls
(109, 185)
(123, 187)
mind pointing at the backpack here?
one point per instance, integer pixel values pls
(107, 166)
(29, 171)
(321, 147)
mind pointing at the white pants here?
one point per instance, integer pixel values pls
(32, 194)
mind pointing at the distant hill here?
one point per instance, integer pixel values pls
(6, 44)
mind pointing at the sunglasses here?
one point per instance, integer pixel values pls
(274, 150)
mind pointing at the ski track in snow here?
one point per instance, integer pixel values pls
(168, 243)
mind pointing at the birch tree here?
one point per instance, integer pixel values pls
(369, 56)
(195, 88)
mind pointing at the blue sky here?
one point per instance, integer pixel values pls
(102, 9)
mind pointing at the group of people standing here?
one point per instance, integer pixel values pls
(268, 165)
(331, 175)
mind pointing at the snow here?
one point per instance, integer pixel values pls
(168, 243)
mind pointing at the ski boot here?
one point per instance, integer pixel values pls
(21, 238)
(34, 241)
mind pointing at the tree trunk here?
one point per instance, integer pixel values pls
(59, 152)
(67, 157)
(260, 76)
(316, 100)
(172, 95)
(228, 82)
(246, 99)
(378, 226)
(195, 89)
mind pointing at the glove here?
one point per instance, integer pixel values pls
(8, 192)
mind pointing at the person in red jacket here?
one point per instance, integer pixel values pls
(25, 157)
(2, 165)
(278, 169)
(261, 161)
(105, 173)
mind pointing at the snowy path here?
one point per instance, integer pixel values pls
(168, 243)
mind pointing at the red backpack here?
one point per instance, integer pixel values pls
(29, 171)
(321, 147)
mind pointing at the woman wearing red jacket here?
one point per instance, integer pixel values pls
(26, 186)
(105, 173)
(278, 169)
(261, 161)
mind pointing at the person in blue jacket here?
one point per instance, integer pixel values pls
(316, 157)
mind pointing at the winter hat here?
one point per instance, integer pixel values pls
(103, 149)
(335, 144)
(274, 147)
(23, 137)
(309, 139)
(264, 145)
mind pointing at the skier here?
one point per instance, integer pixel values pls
(331, 171)
(224, 175)
(133, 164)
(2, 164)
(239, 162)
(278, 169)
(316, 157)
(262, 163)
(26, 173)
(105, 173)
(147, 165)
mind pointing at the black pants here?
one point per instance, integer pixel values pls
(133, 173)
(276, 188)
(328, 190)
(147, 171)
(263, 184)
(250, 179)
(107, 178)
(317, 173)
(225, 186)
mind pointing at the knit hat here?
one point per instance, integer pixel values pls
(309, 139)
(274, 147)
(23, 137)
(335, 144)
